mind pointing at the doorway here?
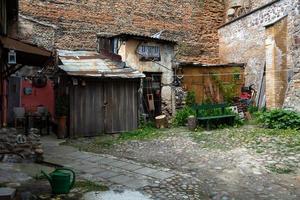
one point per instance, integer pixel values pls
(152, 94)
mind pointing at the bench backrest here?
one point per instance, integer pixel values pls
(210, 109)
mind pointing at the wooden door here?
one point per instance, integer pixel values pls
(87, 110)
(14, 99)
(121, 106)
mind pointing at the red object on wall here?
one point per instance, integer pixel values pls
(39, 96)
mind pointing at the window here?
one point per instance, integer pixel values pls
(148, 53)
(108, 45)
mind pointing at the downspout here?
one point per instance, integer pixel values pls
(4, 100)
(141, 114)
(1, 86)
(3, 90)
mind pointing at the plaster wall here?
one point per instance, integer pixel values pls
(276, 63)
(131, 58)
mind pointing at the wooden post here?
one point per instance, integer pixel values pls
(192, 123)
(161, 121)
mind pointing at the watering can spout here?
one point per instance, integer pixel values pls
(47, 176)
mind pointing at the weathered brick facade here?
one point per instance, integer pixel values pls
(73, 24)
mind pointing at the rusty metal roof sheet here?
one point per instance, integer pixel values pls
(195, 64)
(93, 64)
(138, 36)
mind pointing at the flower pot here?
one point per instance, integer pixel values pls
(61, 127)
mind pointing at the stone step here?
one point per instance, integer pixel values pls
(7, 193)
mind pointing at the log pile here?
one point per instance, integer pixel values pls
(16, 146)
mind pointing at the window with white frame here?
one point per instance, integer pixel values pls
(149, 52)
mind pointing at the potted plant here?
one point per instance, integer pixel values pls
(61, 113)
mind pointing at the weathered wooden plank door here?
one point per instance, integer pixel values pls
(121, 106)
(14, 98)
(87, 110)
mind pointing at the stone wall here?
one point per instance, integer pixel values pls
(75, 23)
(292, 100)
(243, 41)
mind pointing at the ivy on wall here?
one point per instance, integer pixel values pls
(227, 89)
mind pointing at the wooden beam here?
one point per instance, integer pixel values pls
(17, 45)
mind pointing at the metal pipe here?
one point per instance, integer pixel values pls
(1, 85)
(4, 102)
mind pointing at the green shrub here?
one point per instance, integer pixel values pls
(190, 99)
(253, 109)
(182, 115)
(279, 119)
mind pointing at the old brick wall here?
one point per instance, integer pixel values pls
(244, 39)
(75, 23)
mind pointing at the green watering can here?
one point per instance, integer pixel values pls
(62, 180)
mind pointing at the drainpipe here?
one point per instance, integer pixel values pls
(1, 88)
(141, 108)
(4, 103)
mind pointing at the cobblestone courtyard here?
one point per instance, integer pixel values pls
(221, 168)
(176, 166)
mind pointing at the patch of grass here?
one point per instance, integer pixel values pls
(280, 145)
(89, 186)
(96, 144)
(257, 138)
(2, 184)
(280, 169)
(144, 133)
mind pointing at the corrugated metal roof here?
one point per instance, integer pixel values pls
(138, 37)
(195, 64)
(93, 64)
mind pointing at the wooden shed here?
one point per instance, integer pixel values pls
(103, 93)
(211, 83)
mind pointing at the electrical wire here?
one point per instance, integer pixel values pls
(221, 74)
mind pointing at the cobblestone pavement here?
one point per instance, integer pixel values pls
(238, 173)
(155, 182)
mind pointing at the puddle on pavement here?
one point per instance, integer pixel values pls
(120, 195)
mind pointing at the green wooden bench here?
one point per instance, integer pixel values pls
(208, 114)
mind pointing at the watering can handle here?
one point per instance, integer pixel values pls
(73, 176)
(47, 176)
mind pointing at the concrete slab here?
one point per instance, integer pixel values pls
(131, 167)
(106, 160)
(121, 179)
(96, 170)
(107, 174)
(95, 158)
(91, 177)
(137, 183)
(146, 171)
(118, 164)
(161, 175)
(7, 193)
